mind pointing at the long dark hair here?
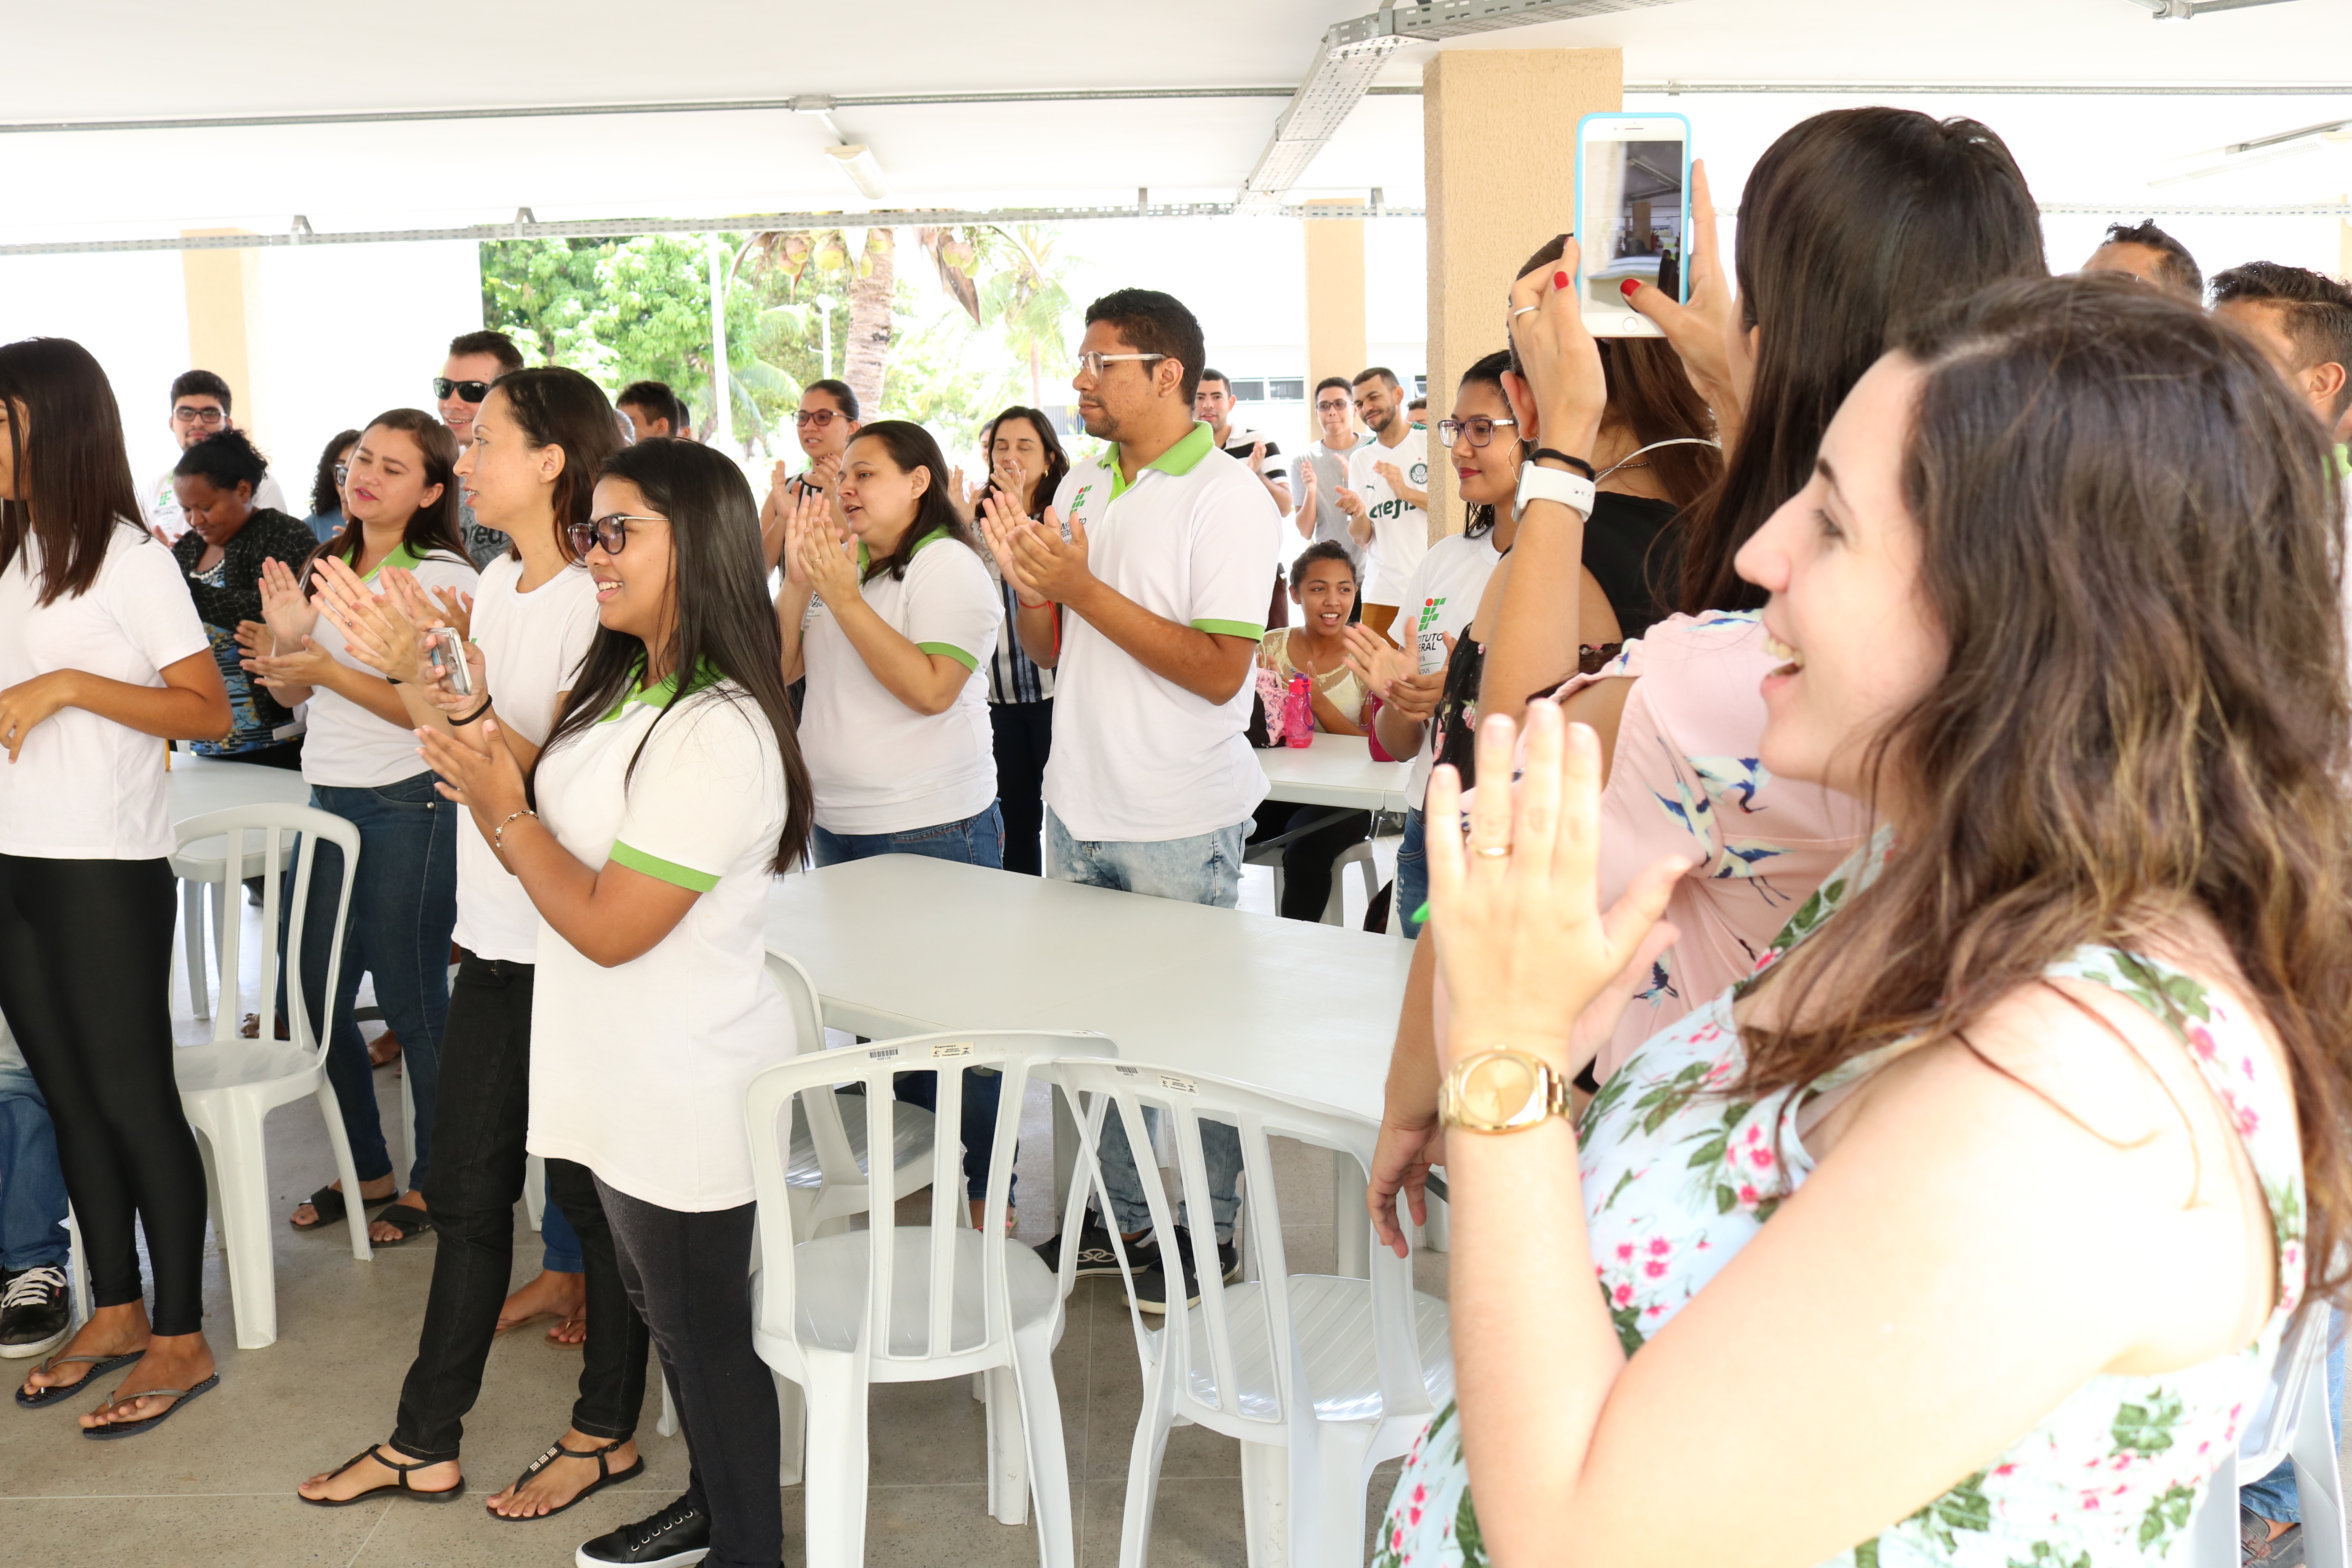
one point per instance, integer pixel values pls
(557, 407)
(73, 472)
(1478, 516)
(432, 527)
(326, 491)
(1058, 461)
(910, 447)
(723, 620)
(2132, 545)
(1854, 225)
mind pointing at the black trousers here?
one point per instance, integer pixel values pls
(484, 1108)
(689, 1275)
(1307, 861)
(85, 980)
(1025, 738)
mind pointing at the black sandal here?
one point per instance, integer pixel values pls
(406, 1219)
(606, 1477)
(397, 1485)
(327, 1205)
(99, 1366)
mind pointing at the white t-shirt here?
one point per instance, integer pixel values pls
(638, 1071)
(349, 747)
(83, 787)
(1400, 531)
(1441, 598)
(532, 647)
(164, 511)
(1136, 758)
(877, 765)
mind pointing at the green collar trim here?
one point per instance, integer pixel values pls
(2343, 460)
(1180, 460)
(864, 560)
(660, 693)
(402, 557)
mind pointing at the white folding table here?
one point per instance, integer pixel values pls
(1335, 770)
(202, 784)
(1303, 1009)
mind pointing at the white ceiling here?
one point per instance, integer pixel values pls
(109, 59)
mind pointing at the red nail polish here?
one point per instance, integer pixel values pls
(1559, 280)
(1627, 287)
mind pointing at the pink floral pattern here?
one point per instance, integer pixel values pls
(1678, 1176)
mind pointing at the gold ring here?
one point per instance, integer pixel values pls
(1490, 851)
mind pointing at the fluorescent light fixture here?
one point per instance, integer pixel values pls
(857, 165)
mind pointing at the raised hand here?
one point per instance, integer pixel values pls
(301, 667)
(1306, 483)
(253, 636)
(1391, 475)
(1562, 384)
(285, 609)
(824, 471)
(1258, 458)
(378, 634)
(1001, 522)
(1522, 941)
(825, 563)
(1054, 566)
(476, 771)
(1348, 501)
(959, 492)
(808, 517)
(1718, 353)
(1378, 663)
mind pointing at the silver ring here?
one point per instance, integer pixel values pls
(1490, 851)
(1523, 311)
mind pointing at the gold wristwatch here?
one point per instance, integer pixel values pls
(1501, 1092)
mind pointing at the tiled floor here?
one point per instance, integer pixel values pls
(215, 1485)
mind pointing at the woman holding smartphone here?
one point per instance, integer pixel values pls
(401, 500)
(671, 786)
(101, 660)
(538, 440)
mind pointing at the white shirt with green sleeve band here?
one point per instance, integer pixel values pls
(1137, 758)
(638, 1070)
(878, 766)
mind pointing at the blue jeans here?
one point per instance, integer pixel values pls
(977, 840)
(563, 1254)
(1412, 875)
(1205, 869)
(2273, 1497)
(31, 1183)
(403, 907)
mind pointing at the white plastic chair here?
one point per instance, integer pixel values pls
(2290, 1422)
(229, 1085)
(1319, 1377)
(1268, 853)
(836, 1313)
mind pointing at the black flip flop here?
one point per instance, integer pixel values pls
(398, 1486)
(327, 1205)
(178, 1396)
(406, 1219)
(56, 1392)
(606, 1477)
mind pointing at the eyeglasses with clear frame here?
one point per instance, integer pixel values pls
(1477, 427)
(611, 531)
(1090, 365)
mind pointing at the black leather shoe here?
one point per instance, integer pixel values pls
(679, 1534)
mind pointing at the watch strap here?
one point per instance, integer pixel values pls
(1574, 491)
(1552, 1097)
(1557, 456)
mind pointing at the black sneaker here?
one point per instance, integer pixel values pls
(1094, 1254)
(1151, 1292)
(679, 1533)
(36, 1311)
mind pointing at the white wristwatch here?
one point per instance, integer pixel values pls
(1571, 491)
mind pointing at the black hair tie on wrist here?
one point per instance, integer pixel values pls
(1540, 453)
(476, 713)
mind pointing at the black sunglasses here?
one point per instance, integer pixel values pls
(469, 391)
(611, 531)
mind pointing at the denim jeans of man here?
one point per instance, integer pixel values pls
(1205, 869)
(2274, 1496)
(976, 840)
(403, 907)
(31, 1183)
(1411, 876)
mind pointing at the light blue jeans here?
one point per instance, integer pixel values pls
(975, 840)
(1204, 869)
(2273, 1497)
(31, 1183)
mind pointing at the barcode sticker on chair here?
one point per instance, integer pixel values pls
(1180, 1085)
(882, 1054)
(1124, 1071)
(963, 1049)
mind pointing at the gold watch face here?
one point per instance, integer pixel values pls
(1498, 1088)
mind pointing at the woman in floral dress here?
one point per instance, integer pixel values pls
(1966, 1230)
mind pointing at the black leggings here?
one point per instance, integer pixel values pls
(1306, 860)
(85, 980)
(689, 1275)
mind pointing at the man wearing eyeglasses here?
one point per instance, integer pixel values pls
(475, 360)
(200, 408)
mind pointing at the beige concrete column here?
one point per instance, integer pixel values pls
(1335, 294)
(1498, 137)
(223, 297)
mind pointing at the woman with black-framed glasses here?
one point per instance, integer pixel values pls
(827, 421)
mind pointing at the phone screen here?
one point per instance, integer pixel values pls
(1631, 225)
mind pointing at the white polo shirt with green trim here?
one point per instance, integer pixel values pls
(1137, 758)
(877, 765)
(638, 1070)
(349, 747)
